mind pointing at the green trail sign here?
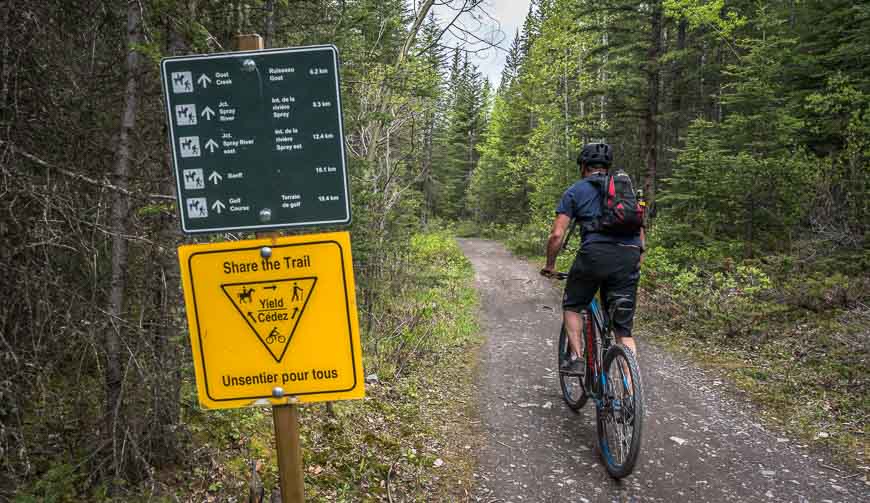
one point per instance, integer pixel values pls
(257, 139)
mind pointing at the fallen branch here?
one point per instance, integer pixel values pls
(829, 467)
(80, 177)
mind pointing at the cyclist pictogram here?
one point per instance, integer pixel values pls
(275, 336)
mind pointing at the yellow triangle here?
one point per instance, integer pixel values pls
(272, 308)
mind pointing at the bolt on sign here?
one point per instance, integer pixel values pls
(272, 313)
(257, 139)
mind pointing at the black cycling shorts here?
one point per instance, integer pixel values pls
(615, 270)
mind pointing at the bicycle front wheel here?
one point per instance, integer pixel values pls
(572, 385)
(620, 412)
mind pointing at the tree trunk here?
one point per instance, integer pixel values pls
(166, 296)
(428, 147)
(5, 62)
(679, 91)
(702, 99)
(269, 38)
(602, 77)
(565, 101)
(720, 85)
(114, 421)
(650, 125)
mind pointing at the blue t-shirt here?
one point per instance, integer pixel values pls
(582, 201)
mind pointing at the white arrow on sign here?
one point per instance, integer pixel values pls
(218, 206)
(211, 145)
(215, 177)
(208, 113)
(203, 80)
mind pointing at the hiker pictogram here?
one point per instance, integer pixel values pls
(296, 292)
(272, 309)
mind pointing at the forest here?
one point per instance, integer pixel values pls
(746, 123)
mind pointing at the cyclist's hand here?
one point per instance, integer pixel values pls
(548, 272)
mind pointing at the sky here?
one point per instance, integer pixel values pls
(507, 16)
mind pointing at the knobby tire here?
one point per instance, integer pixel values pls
(617, 416)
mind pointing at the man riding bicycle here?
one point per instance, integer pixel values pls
(608, 259)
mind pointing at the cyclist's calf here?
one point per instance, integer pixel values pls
(621, 314)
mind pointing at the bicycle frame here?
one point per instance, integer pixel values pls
(599, 338)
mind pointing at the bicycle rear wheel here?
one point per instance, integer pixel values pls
(620, 412)
(572, 385)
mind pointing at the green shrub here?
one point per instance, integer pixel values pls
(822, 291)
(57, 485)
(528, 240)
(467, 229)
(420, 312)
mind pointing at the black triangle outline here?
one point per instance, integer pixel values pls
(295, 325)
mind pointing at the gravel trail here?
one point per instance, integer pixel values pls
(701, 441)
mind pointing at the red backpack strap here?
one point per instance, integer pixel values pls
(611, 191)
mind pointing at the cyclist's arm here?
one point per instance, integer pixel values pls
(554, 244)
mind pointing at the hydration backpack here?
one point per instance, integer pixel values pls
(621, 212)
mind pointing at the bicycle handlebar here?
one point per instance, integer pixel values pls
(561, 276)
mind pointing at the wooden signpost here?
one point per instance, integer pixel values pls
(272, 321)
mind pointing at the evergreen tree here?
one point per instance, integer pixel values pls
(513, 62)
(462, 133)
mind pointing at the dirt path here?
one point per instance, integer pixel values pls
(700, 443)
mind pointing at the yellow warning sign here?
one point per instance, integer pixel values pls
(267, 313)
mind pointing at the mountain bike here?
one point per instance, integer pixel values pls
(612, 379)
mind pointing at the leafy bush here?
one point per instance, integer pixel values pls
(822, 291)
(789, 328)
(418, 313)
(708, 293)
(528, 240)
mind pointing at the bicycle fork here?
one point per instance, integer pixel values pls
(609, 403)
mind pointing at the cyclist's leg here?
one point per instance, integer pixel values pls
(626, 341)
(623, 336)
(572, 327)
(621, 284)
(579, 291)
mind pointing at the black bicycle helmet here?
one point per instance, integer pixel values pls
(596, 153)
